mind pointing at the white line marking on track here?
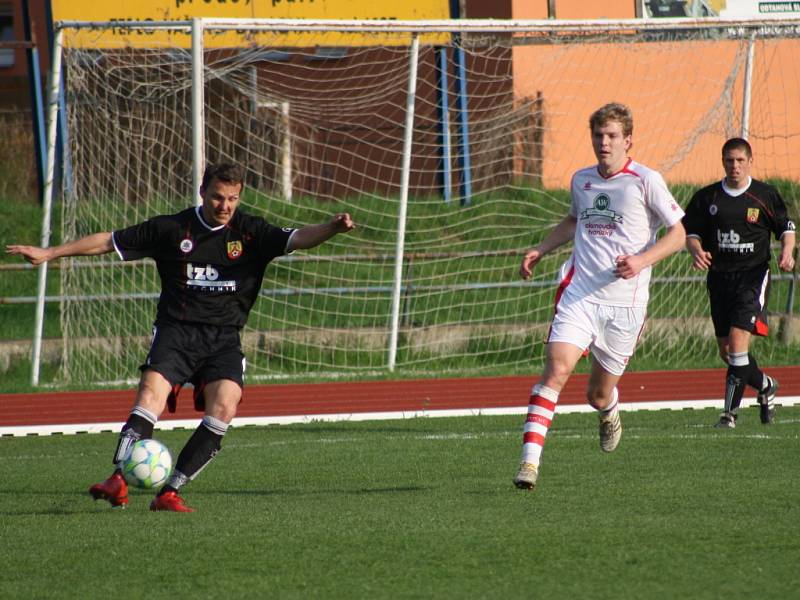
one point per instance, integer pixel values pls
(69, 429)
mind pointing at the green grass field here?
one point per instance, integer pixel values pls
(421, 508)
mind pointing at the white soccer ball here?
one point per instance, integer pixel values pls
(148, 464)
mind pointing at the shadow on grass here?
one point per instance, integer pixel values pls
(92, 505)
(63, 504)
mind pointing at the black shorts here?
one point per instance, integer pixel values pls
(195, 353)
(739, 299)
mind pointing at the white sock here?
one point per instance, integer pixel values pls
(614, 406)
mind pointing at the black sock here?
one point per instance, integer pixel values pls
(734, 387)
(755, 378)
(202, 447)
(139, 426)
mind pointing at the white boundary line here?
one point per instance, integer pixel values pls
(71, 429)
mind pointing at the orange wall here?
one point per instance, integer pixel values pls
(683, 111)
(607, 9)
(529, 9)
(574, 9)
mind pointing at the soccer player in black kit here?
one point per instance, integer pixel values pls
(211, 261)
(728, 229)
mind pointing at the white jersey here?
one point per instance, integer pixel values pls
(617, 215)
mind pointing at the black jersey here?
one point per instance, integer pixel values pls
(736, 229)
(208, 274)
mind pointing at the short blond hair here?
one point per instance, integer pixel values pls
(614, 111)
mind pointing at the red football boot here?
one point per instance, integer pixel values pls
(169, 501)
(114, 489)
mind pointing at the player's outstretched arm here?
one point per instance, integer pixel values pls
(313, 235)
(561, 234)
(96, 243)
(630, 265)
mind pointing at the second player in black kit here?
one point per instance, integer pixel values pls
(729, 227)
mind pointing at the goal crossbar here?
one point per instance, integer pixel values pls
(733, 25)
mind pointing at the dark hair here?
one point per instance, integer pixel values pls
(737, 144)
(225, 172)
(613, 111)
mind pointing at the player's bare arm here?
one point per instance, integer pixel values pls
(96, 243)
(313, 235)
(786, 259)
(701, 259)
(561, 234)
(630, 265)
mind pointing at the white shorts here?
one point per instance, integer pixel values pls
(610, 332)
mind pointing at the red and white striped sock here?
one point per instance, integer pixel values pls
(541, 410)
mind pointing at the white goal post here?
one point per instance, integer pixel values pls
(451, 143)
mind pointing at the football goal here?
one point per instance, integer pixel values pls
(451, 143)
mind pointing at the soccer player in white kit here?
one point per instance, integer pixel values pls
(617, 208)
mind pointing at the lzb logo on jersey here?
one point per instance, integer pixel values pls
(206, 278)
(234, 250)
(601, 208)
(730, 241)
(752, 215)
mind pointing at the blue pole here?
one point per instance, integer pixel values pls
(464, 159)
(444, 123)
(62, 148)
(463, 118)
(37, 98)
(62, 162)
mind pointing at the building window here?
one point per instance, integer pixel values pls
(6, 34)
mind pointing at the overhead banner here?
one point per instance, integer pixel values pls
(741, 9)
(754, 8)
(185, 10)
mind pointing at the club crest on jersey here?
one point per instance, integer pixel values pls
(712, 210)
(587, 185)
(186, 245)
(752, 215)
(600, 208)
(234, 250)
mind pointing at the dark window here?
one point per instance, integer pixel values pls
(666, 8)
(6, 33)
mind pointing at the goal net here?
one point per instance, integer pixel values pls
(450, 143)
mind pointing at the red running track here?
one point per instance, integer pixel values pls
(418, 395)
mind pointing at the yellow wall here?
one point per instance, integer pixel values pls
(89, 10)
(182, 10)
